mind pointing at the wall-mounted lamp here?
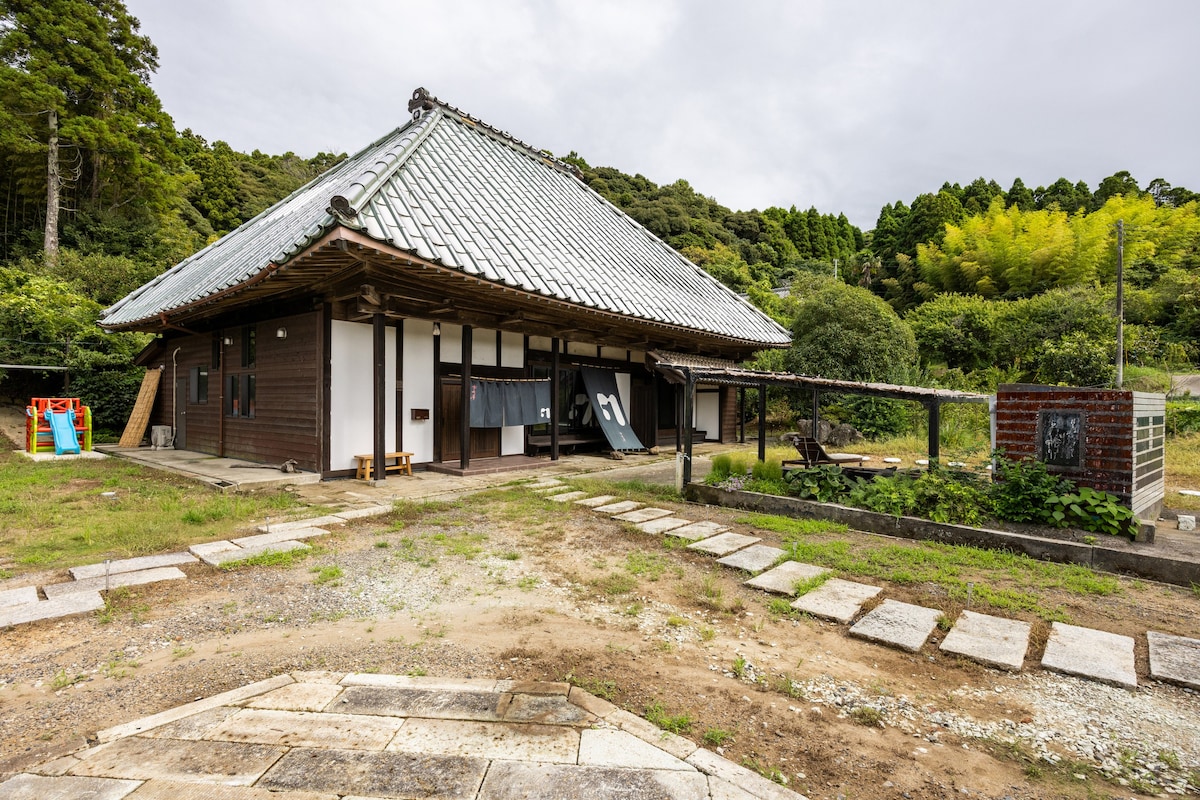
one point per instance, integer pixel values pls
(281, 333)
(227, 341)
(437, 329)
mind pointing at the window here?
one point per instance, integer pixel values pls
(198, 386)
(248, 396)
(241, 396)
(249, 346)
(233, 396)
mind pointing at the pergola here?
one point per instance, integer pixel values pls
(687, 376)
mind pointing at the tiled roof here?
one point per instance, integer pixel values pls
(451, 190)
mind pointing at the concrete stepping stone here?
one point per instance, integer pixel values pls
(699, 530)
(551, 488)
(210, 548)
(512, 780)
(994, 641)
(783, 579)
(724, 543)
(300, 729)
(295, 534)
(599, 500)
(568, 497)
(836, 599)
(131, 565)
(38, 787)
(642, 514)
(662, 525)
(607, 747)
(298, 524)
(491, 740)
(619, 507)
(102, 583)
(17, 597)
(754, 558)
(241, 553)
(1089, 653)
(1174, 658)
(363, 512)
(238, 764)
(360, 773)
(65, 606)
(549, 483)
(898, 624)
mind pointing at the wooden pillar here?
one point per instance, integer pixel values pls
(762, 422)
(379, 421)
(741, 415)
(554, 392)
(689, 404)
(678, 417)
(935, 430)
(465, 430)
(816, 414)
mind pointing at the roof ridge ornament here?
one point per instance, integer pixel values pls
(422, 101)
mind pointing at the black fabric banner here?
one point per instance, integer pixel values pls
(496, 404)
(606, 403)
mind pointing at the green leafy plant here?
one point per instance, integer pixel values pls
(1092, 510)
(823, 483)
(656, 714)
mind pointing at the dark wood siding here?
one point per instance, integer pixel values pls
(729, 412)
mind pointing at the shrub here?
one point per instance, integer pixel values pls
(823, 483)
(1024, 490)
(1183, 416)
(1093, 510)
(877, 417)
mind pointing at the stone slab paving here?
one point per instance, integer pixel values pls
(1174, 658)
(546, 484)
(642, 515)
(291, 534)
(210, 548)
(131, 565)
(1088, 653)
(699, 530)
(836, 599)
(550, 488)
(313, 522)
(661, 525)
(897, 624)
(568, 497)
(540, 740)
(994, 641)
(363, 512)
(65, 606)
(619, 507)
(754, 558)
(724, 543)
(783, 579)
(102, 583)
(17, 597)
(239, 553)
(592, 502)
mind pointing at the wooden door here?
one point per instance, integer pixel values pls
(485, 442)
(181, 400)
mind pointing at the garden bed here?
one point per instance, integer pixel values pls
(1068, 547)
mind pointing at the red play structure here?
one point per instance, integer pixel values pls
(62, 424)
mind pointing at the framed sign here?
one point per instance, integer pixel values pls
(1060, 438)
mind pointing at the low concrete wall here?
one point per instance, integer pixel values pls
(1110, 559)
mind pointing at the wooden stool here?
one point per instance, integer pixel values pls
(403, 464)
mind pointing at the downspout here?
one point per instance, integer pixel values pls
(221, 399)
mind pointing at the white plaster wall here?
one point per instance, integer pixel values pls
(708, 414)
(418, 388)
(614, 353)
(451, 344)
(483, 347)
(542, 343)
(581, 349)
(351, 395)
(623, 379)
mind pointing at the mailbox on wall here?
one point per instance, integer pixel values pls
(420, 414)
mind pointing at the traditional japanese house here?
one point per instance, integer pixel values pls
(358, 314)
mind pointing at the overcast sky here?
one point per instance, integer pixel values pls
(842, 105)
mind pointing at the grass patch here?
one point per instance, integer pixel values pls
(274, 558)
(791, 526)
(632, 490)
(716, 737)
(650, 565)
(615, 583)
(867, 716)
(54, 516)
(657, 714)
(327, 574)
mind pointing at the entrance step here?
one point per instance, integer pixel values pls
(994, 641)
(901, 625)
(836, 599)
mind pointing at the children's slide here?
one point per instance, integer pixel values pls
(62, 427)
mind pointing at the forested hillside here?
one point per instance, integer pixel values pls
(99, 193)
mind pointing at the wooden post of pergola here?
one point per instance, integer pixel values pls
(935, 430)
(762, 421)
(689, 405)
(554, 379)
(741, 415)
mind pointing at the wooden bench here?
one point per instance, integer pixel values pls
(403, 464)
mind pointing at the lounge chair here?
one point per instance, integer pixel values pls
(812, 453)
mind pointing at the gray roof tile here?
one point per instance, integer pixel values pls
(454, 191)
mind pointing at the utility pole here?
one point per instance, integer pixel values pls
(1120, 302)
(50, 243)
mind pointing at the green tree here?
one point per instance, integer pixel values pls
(1019, 195)
(847, 333)
(955, 330)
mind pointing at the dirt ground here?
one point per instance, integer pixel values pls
(563, 594)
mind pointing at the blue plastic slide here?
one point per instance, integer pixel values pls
(62, 427)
